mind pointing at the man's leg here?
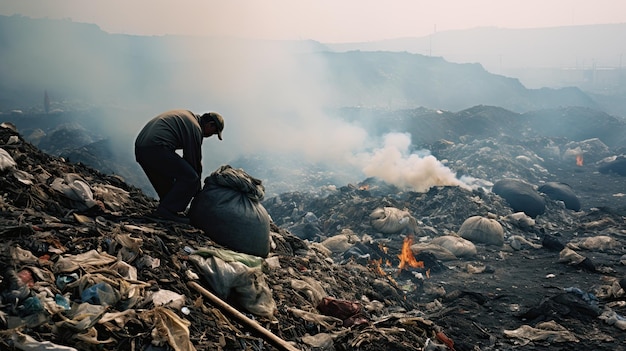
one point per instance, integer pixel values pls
(162, 184)
(164, 165)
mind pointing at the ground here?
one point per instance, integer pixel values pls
(523, 285)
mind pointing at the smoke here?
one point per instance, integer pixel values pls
(395, 164)
(275, 98)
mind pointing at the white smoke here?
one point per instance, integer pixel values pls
(277, 98)
(396, 165)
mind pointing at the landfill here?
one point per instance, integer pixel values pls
(364, 266)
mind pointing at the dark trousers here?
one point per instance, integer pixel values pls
(173, 178)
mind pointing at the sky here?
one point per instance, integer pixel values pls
(327, 21)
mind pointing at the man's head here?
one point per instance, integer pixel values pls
(212, 123)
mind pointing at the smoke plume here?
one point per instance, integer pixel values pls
(395, 164)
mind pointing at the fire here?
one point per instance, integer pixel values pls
(378, 268)
(406, 256)
(579, 160)
(364, 187)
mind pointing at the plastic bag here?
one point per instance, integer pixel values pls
(229, 211)
(246, 285)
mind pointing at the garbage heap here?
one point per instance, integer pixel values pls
(83, 268)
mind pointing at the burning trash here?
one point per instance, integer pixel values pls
(406, 256)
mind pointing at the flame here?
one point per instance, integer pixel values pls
(579, 160)
(378, 269)
(364, 187)
(406, 256)
(383, 248)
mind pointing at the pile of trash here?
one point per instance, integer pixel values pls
(365, 266)
(83, 268)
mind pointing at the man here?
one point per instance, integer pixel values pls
(176, 179)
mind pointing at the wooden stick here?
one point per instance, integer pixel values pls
(266, 334)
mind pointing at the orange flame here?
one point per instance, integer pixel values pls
(406, 256)
(579, 160)
(378, 268)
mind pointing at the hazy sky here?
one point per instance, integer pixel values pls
(321, 20)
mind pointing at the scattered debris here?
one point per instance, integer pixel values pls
(88, 270)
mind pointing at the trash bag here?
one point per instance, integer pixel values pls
(615, 164)
(391, 220)
(482, 230)
(245, 285)
(561, 192)
(76, 190)
(521, 196)
(229, 210)
(460, 247)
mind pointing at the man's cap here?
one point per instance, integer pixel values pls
(219, 122)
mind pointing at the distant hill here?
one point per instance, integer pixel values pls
(400, 80)
(505, 51)
(481, 122)
(75, 61)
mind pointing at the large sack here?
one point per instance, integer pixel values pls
(484, 230)
(438, 251)
(341, 242)
(460, 247)
(391, 220)
(520, 220)
(561, 192)
(229, 210)
(521, 196)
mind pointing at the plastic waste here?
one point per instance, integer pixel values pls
(169, 329)
(6, 161)
(168, 298)
(100, 294)
(76, 189)
(484, 230)
(244, 284)
(62, 301)
(30, 306)
(27, 342)
(590, 298)
(63, 280)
